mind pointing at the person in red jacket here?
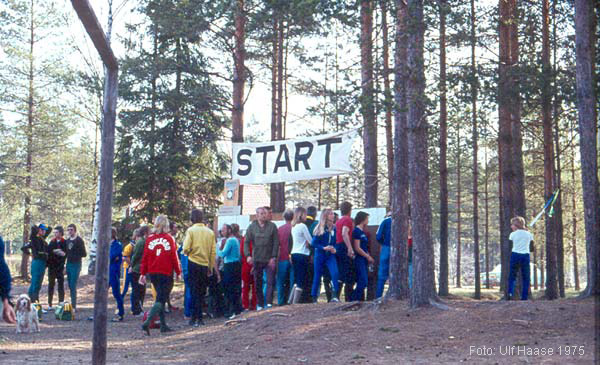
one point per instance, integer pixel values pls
(159, 261)
(247, 277)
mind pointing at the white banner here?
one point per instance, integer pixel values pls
(305, 158)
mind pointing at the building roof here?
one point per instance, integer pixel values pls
(254, 196)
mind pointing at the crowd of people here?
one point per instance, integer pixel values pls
(239, 271)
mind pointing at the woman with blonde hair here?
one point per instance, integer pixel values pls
(522, 244)
(300, 252)
(323, 242)
(159, 261)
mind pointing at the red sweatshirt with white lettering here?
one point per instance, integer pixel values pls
(160, 256)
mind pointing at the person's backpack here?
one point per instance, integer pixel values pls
(153, 322)
(64, 312)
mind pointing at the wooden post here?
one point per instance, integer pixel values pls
(107, 151)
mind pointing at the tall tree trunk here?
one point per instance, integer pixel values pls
(515, 113)
(29, 149)
(367, 103)
(423, 288)
(505, 140)
(398, 288)
(551, 273)
(389, 143)
(559, 231)
(279, 205)
(443, 168)
(585, 26)
(487, 221)
(276, 188)
(458, 208)
(239, 80)
(475, 157)
(574, 220)
(154, 97)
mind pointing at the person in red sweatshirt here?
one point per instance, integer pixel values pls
(247, 277)
(159, 262)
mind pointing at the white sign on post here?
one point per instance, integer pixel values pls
(305, 158)
(230, 210)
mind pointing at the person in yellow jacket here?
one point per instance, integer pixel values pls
(199, 246)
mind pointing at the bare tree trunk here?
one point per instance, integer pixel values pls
(574, 220)
(423, 288)
(458, 208)
(367, 103)
(505, 140)
(515, 114)
(551, 273)
(239, 80)
(443, 168)
(398, 288)
(585, 26)
(487, 221)
(276, 188)
(389, 143)
(560, 252)
(475, 157)
(29, 149)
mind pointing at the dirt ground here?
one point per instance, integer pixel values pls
(488, 331)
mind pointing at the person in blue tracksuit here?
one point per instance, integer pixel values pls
(324, 260)
(360, 242)
(8, 313)
(229, 250)
(187, 298)
(116, 259)
(384, 234)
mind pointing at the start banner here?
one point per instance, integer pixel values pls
(305, 158)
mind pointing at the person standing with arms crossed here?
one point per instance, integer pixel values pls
(56, 265)
(199, 246)
(263, 235)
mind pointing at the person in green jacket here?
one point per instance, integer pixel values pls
(138, 290)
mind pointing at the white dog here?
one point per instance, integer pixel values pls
(27, 316)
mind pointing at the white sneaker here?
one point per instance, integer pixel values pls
(259, 308)
(269, 306)
(231, 316)
(335, 300)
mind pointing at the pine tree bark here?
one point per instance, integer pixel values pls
(475, 157)
(551, 248)
(443, 167)
(505, 140)
(277, 189)
(585, 26)
(389, 142)
(487, 221)
(559, 229)
(423, 288)
(367, 103)
(398, 287)
(458, 208)
(239, 80)
(29, 148)
(574, 220)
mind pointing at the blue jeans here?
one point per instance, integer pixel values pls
(519, 260)
(38, 269)
(114, 282)
(324, 259)
(362, 278)
(300, 264)
(384, 270)
(187, 299)
(73, 271)
(410, 275)
(284, 272)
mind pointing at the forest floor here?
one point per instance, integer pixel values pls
(469, 331)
